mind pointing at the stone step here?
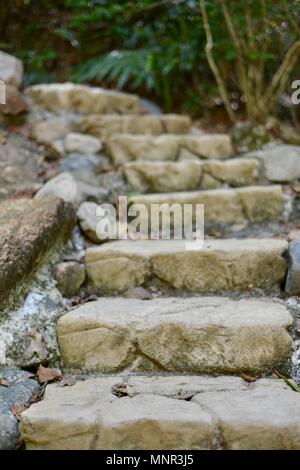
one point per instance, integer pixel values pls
(218, 266)
(253, 204)
(82, 98)
(28, 230)
(104, 126)
(144, 176)
(204, 335)
(179, 412)
(126, 147)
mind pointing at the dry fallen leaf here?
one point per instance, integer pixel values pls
(4, 382)
(119, 390)
(17, 410)
(45, 374)
(248, 378)
(67, 382)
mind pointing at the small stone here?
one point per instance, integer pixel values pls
(62, 186)
(88, 220)
(11, 69)
(69, 276)
(292, 285)
(50, 130)
(15, 102)
(81, 143)
(281, 163)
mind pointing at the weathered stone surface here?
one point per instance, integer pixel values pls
(62, 186)
(82, 98)
(201, 335)
(80, 143)
(28, 334)
(89, 416)
(235, 172)
(51, 130)
(128, 147)
(222, 265)
(254, 204)
(69, 276)
(282, 163)
(292, 285)
(78, 163)
(20, 164)
(187, 175)
(18, 392)
(11, 69)
(28, 229)
(104, 126)
(15, 102)
(89, 218)
(146, 176)
(259, 419)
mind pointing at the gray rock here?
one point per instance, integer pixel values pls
(19, 393)
(281, 163)
(29, 229)
(77, 162)
(28, 335)
(11, 69)
(20, 164)
(88, 220)
(69, 276)
(292, 285)
(62, 186)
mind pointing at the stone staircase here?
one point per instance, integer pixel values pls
(168, 371)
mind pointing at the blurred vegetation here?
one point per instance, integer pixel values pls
(158, 48)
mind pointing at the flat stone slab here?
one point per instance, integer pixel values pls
(222, 265)
(211, 413)
(124, 148)
(28, 230)
(155, 176)
(104, 126)
(253, 204)
(82, 98)
(199, 335)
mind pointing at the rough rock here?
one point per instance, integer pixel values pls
(281, 163)
(29, 229)
(221, 265)
(128, 147)
(28, 334)
(201, 335)
(187, 175)
(104, 126)
(155, 176)
(51, 130)
(19, 392)
(15, 103)
(69, 276)
(20, 164)
(11, 69)
(80, 143)
(62, 186)
(262, 415)
(82, 98)
(235, 172)
(76, 162)
(253, 204)
(292, 285)
(88, 221)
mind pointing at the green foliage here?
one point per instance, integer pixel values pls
(156, 48)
